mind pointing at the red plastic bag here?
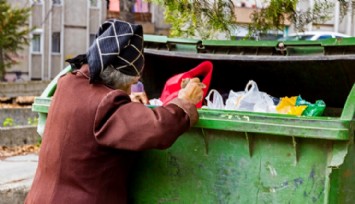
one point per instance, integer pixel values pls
(173, 84)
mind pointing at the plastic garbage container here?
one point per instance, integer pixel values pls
(248, 157)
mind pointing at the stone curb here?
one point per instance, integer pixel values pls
(14, 195)
(20, 135)
(26, 88)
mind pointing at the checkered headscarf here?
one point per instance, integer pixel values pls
(118, 44)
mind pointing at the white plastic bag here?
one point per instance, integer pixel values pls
(233, 100)
(155, 102)
(251, 99)
(216, 102)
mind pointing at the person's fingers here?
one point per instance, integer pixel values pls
(184, 82)
(139, 97)
(134, 98)
(202, 85)
(192, 92)
(144, 99)
(195, 80)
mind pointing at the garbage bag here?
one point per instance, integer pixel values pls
(216, 102)
(297, 106)
(315, 109)
(251, 99)
(287, 105)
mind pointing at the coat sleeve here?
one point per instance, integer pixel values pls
(122, 124)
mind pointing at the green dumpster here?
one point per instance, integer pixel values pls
(249, 157)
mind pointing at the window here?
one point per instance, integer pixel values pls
(57, 2)
(36, 42)
(56, 42)
(93, 3)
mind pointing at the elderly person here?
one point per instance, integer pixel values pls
(93, 127)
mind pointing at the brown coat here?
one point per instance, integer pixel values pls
(90, 137)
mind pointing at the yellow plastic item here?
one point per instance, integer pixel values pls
(287, 105)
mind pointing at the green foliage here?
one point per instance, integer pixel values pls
(272, 17)
(344, 5)
(278, 12)
(13, 33)
(32, 121)
(8, 122)
(203, 19)
(319, 14)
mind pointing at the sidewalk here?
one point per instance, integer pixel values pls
(16, 176)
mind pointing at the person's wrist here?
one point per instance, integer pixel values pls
(188, 107)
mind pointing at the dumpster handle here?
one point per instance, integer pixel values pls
(349, 108)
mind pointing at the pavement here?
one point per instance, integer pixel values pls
(16, 176)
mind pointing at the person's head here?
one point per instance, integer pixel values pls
(117, 80)
(116, 56)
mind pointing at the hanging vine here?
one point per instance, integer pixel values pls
(206, 18)
(274, 16)
(198, 18)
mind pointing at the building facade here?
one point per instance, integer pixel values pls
(66, 28)
(63, 29)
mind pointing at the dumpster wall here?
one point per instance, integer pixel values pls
(244, 157)
(214, 166)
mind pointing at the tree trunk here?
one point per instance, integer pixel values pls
(126, 10)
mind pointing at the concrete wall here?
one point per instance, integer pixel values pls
(37, 17)
(21, 132)
(76, 13)
(94, 16)
(75, 41)
(21, 135)
(57, 18)
(161, 28)
(36, 66)
(20, 116)
(24, 88)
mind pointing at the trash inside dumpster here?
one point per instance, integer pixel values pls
(252, 157)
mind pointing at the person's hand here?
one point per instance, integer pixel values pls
(140, 97)
(191, 90)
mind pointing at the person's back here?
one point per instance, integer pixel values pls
(93, 132)
(73, 167)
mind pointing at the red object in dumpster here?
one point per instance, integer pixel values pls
(172, 86)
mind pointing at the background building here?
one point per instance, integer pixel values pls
(66, 28)
(336, 24)
(63, 29)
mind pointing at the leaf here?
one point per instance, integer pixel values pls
(13, 34)
(198, 18)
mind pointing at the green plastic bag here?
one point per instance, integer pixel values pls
(315, 109)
